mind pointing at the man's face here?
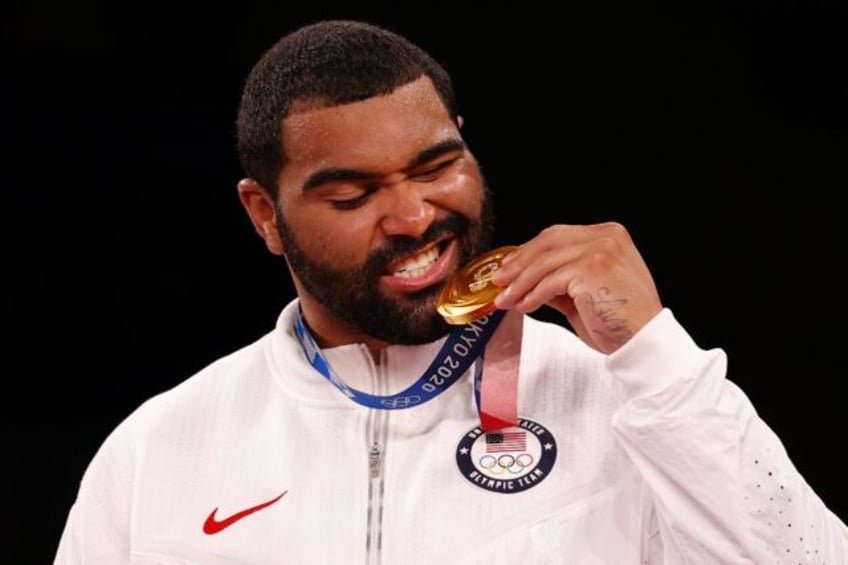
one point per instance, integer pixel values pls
(380, 202)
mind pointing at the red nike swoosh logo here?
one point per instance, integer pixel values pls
(213, 526)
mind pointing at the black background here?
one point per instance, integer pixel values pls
(715, 132)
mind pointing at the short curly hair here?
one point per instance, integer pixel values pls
(324, 64)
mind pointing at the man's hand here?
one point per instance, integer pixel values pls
(592, 274)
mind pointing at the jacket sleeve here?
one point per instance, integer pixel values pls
(97, 527)
(725, 489)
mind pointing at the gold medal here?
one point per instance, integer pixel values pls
(470, 293)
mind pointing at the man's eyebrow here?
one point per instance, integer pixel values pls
(337, 174)
(437, 150)
(324, 176)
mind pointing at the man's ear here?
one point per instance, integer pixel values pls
(459, 121)
(260, 208)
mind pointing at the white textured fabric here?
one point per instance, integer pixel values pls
(660, 459)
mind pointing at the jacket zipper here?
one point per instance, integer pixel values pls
(376, 436)
(375, 504)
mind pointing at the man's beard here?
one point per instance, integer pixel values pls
(354, 295)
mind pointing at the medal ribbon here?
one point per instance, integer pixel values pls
(463, 346)
(497, 394)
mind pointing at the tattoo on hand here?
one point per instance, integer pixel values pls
(606, 308)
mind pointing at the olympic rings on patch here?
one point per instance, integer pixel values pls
(487, 461)
(505, 463)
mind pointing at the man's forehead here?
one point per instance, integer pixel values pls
(418, 94)
(410, 118)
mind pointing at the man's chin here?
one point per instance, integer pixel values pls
(425, 330)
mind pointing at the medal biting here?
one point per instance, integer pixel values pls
(470, 293)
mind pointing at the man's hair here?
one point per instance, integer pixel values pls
(319, 65)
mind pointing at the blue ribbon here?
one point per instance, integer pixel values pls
(463, 346)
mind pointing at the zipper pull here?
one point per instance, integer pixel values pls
(375, 460)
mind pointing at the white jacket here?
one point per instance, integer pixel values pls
(646, 456)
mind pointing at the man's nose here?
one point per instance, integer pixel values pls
(407, 210)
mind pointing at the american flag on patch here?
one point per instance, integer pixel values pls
(506, 441)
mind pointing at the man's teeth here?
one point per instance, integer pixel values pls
(416, 266)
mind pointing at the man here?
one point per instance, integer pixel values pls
(384, 419)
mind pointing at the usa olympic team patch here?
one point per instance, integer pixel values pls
(509, 460)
